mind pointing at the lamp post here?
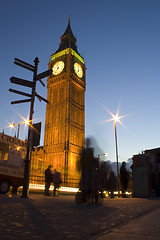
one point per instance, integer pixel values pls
(115, 127)
(116, 119)
(18, 130)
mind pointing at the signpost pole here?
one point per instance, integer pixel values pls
(28, 154)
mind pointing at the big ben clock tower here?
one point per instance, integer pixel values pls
(65, 113)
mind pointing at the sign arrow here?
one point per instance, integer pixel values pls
(44, 74)
(19, 92)
(22, 82)
(42, 82)
(41, 98)
(21, 101)
(24, 64)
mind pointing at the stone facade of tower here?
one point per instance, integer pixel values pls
(65, 113)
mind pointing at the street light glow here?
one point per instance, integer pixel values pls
(103, 154)
(26, 122)
(116, 118)
(12, 125)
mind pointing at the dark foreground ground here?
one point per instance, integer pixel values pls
(42, 217)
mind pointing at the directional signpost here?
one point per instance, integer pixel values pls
(21, 82)
(44, 74)
(21, 93)
(31, 99)
(24, 64)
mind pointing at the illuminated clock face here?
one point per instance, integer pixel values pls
(78, 70)
(58, 67)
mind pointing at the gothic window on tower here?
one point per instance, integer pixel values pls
(61, 93)
(51, 96)
(39, 164)
(54, 96)
(52, 117)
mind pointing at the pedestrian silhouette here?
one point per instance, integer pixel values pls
(89, 167)
(112, 184)
(124, 177)
(48, 180)
(56, 181)
(103, 176)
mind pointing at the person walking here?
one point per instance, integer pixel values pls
(89, 167)
(56, 181)
(112, 184)
(94, 180)
(48, 180)
(124, 177)
(103, 177)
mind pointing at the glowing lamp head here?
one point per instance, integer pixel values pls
(11, 125)
(26, 122)
(116, 118)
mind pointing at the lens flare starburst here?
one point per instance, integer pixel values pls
(116, 118)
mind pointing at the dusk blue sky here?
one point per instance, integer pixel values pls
(120, 43)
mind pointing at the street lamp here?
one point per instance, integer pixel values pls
(18, 124)
(116, 119)
(115, 127)
(103, 154)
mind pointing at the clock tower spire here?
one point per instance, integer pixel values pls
(68, 40)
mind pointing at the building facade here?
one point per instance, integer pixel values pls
(65, 113)
(146, 173)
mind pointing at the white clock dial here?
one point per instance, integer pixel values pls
(78, 70)
(58, 67)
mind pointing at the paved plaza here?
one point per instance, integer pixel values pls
(42, 217)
